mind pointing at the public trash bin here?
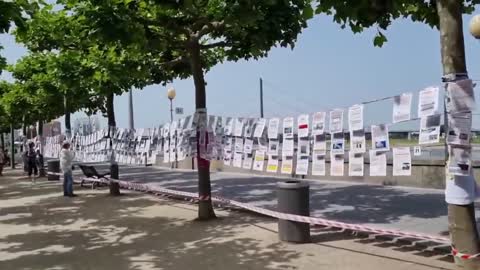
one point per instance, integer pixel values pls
(293, 198)
(53, 167)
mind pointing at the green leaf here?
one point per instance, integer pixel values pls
(379, 39)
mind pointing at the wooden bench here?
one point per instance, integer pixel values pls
(91, 172)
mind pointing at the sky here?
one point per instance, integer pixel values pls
(328, 68)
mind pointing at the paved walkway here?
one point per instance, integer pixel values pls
(40, 229)
(409, 209)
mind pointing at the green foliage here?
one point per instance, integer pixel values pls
(361, 14)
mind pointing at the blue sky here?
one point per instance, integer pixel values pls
(328, 68)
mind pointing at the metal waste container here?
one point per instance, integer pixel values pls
(293, 198)
(53, 167)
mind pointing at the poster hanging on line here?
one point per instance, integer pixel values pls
(273, 147)
(380, 139)
(355, 164)
(287, 147)
(318, 163)
(259, 160)
(337, 163)
(428, 102)
(287, 165)
(355, 117)
(402, 161)
(318, 123)
(338, 143)
(288, 127)
(320, 142)
(429, 129)
(273, 125)
(336, 121)
(402, 107)
(303, 128)
(259, 128)
(248, 146)
(357, 141)
(272, 164)
(378, 163)
(237, 160)
(460, 162)
(238, 129)
(248, 161)
(302, 165)
(417, 151)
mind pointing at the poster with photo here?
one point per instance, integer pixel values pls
(318, 123)
(229, 122)
(402, 107)
(288, 128)
(355, 117)
(459, 128)
(318, 163)
(273, 126)
(338, 143)
(287, 165)
(320, 142)
(336, 121)
(357, 141)
(303, 128)
(302, 165)
(337, 163)
(248, 161)
(248, 146)
(402, 161)
(238, 145)
(272, 164)
(355, 164)
(273, 147)
(303, 148)
(259, 128)
(378, 163)
(461, 97)
(258, 162)
(380, 139)
(428, 102)
(248, 127)
(238, 129)
(429, 129)
(460, 162)
(237, 160)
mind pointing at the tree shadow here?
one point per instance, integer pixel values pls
(95, 231)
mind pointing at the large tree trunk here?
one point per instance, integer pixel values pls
(111, 110)
(462, 223)
(205, 207)
(68, 124)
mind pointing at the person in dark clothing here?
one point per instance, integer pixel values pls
(32, 161)
(40, 163)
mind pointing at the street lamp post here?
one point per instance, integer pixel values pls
(475, 26)
(171, 93)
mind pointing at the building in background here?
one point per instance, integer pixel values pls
(51, 129)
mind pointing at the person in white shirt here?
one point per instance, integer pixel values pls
(66, 163)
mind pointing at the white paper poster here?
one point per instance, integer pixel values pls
(287, 165)
(287, 147)
(402, 161)
(259, 161)
(303, 126)
(355, 164)
(357, 141)
(417, 151)
(238, 145)
(318, 123)
(460, 162)
(248, 146)
(338, 144)
(318, 163)
(428, 102)
(302, 165)
(273, 128)
(259, 128)
(355, 117)
(238, 131)
(378, 163)
(336, 165)
(273, 147)
(248, 161)
(248, 127)
(461, 97)
(303, 148)
(380, 139)
(429, 130)
(402, 107)
(272, 164)
(336, 121)
(229, 126)
(237, 160)
(288, 128)
(320, 142)
(459, 128)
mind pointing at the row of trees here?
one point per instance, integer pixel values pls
(84, 52)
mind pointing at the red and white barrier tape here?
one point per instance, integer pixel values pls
(305, 219)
